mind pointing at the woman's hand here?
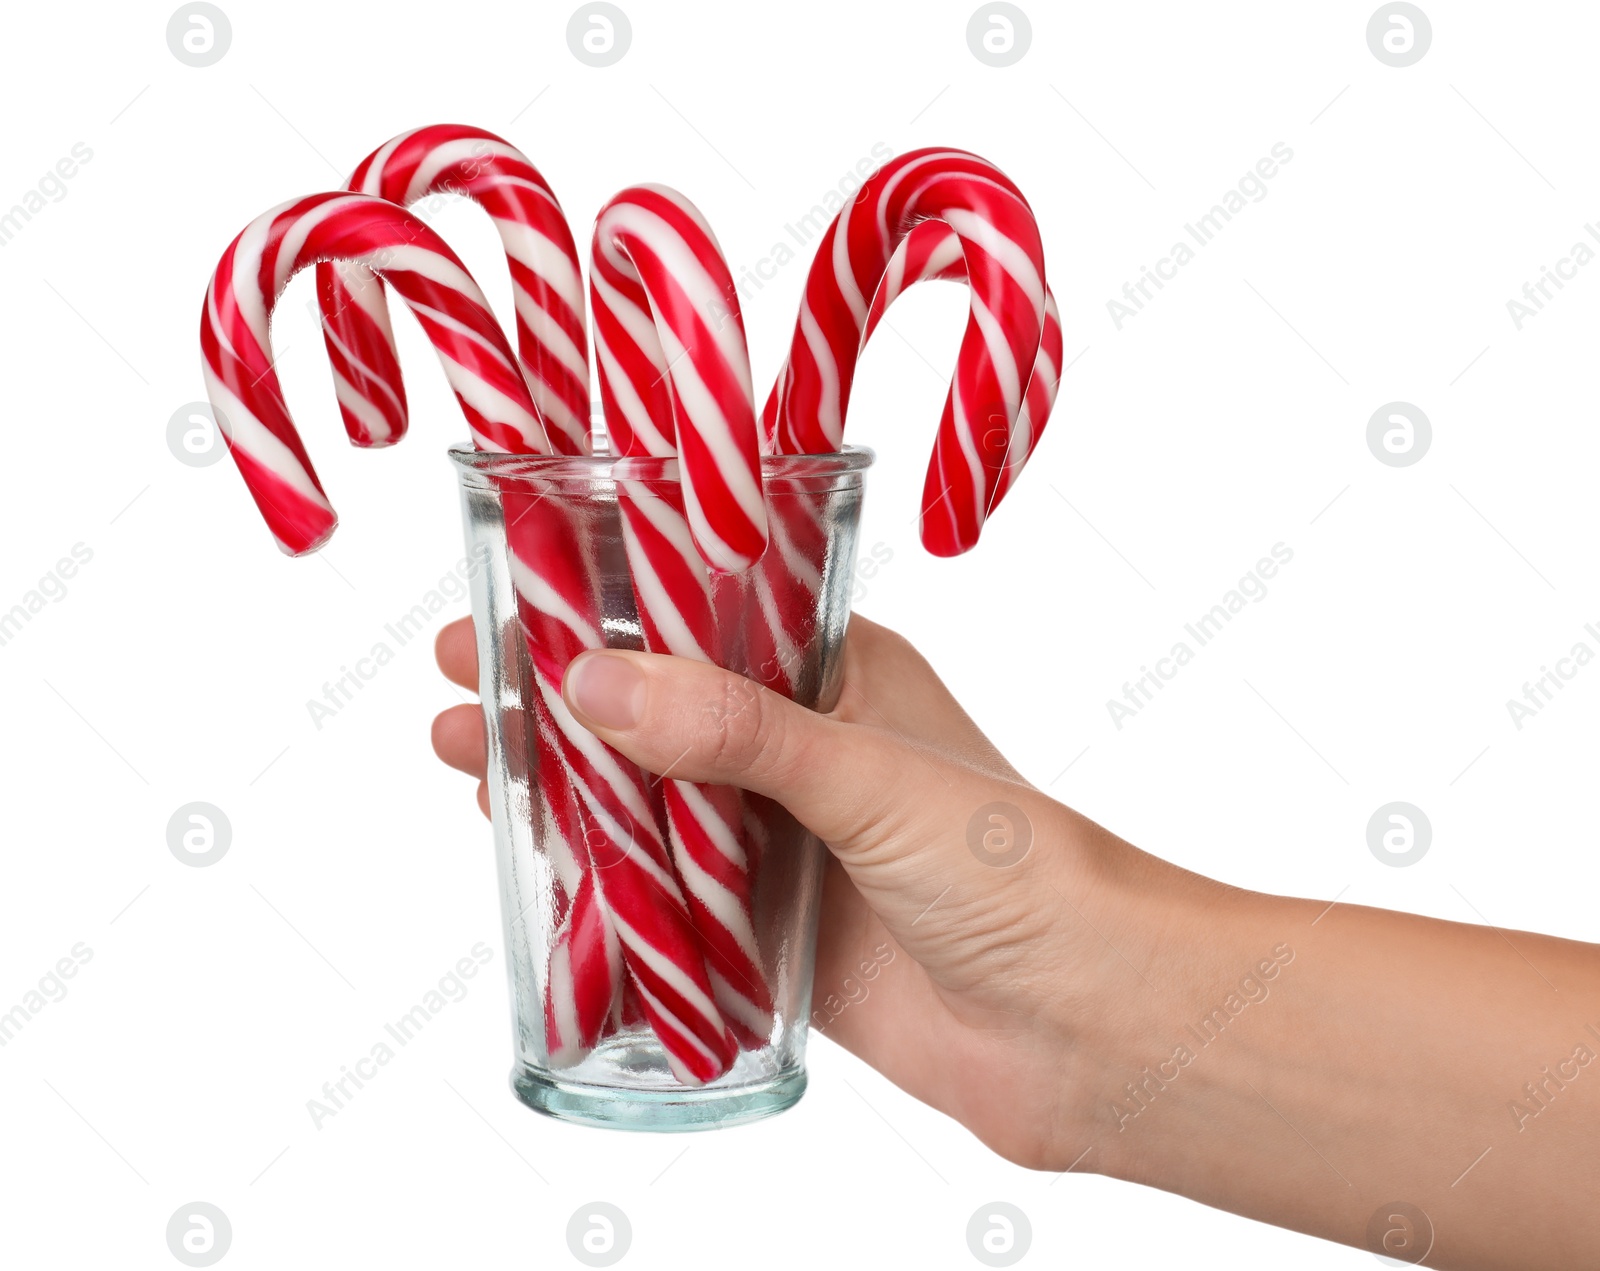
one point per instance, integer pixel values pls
(961, 891)
(1413, 1087)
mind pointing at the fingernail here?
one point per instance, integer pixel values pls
(608, 689)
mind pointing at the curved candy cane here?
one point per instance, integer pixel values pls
(552, 344)
(236, 347)
(674, 368)
(674, 378)
(932, 253)
(1005, 268)
(636, 884)
(547, 285)
(786, 614)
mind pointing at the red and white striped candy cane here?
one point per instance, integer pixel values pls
(547, 285)
(675, 378)
(1005, 270)
(585, 951)
(548, 291)
(584, 974)
(931, 250)
(679, 347)
(243, 386)
(651, 918)
(619, 840)
(552, 340)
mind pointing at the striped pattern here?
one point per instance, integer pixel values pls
(932, 251)
(586, 970)
(656, 359)
(674, 369)
(552, 344)
(653, 881)
(585, 962)
(1004, 263)
(584, 976)
(618, 846)
(237, 349)
(617, 837)
(547, 286)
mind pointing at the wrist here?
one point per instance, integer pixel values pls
(1151, 946)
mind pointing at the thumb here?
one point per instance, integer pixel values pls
(692, 721)
(910, 828)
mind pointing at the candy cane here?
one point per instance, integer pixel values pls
(549, 303)
(647, 908)
(675, 359)
(1005, 268)
(674, 378)
(552, 341)
(547, 285)
(618, 836)
(243, 386)
(931, 250)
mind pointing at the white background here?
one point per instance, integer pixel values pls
(1228, 416)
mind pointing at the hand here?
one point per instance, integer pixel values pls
(1088, 1006)
(980, 968)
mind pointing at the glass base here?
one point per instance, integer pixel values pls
(666, 1111)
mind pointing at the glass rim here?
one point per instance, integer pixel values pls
(608, 468)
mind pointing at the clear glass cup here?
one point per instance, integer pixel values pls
(545, 837)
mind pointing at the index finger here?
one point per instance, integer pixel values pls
(457, 652)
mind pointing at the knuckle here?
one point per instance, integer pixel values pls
(902, 650)
(885, 643)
